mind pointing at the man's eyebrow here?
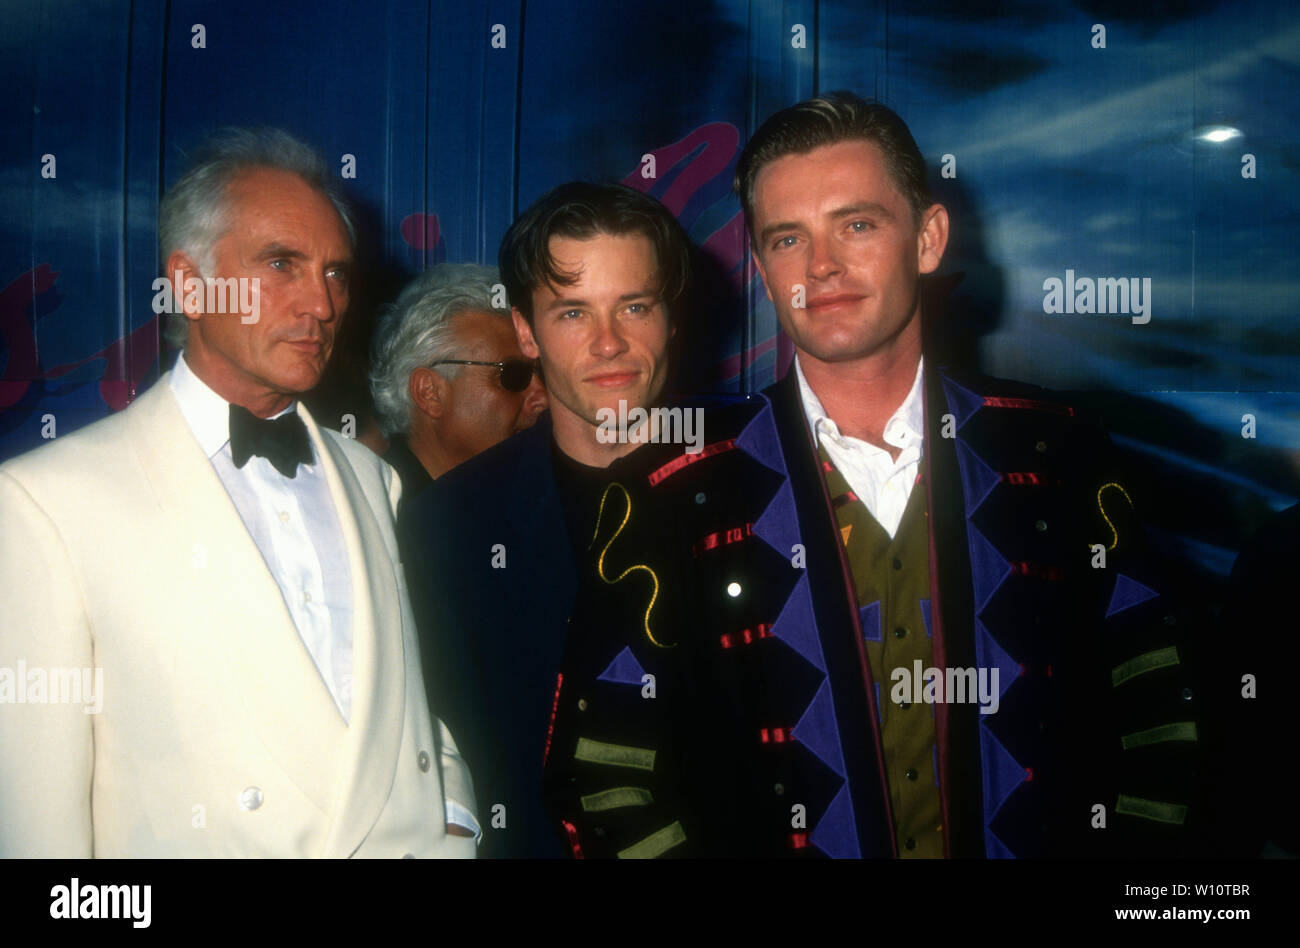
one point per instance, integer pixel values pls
(574, 303)
(274, 250)
(865, 207)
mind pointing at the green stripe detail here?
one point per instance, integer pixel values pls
(616, 755)
(1151, 809)
(1182, 731)
(615, 798)
(1160, 658)
(656, 844)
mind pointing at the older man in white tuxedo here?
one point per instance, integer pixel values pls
(228, 566)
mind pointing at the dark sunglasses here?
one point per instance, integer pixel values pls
(516, 374)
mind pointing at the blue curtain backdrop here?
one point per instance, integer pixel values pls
(1054, 152)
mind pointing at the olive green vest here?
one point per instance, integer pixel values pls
(890, 578)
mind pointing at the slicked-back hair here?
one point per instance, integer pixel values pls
(194, 214)
(580, 210)
(829, 120)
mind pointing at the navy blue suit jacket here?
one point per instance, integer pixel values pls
(492, 635)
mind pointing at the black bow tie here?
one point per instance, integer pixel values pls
(283, 441)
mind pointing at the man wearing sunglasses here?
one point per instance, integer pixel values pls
(447, 377)
(493, 550)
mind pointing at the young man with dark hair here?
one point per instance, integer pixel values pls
(915, 617)
(594, 274)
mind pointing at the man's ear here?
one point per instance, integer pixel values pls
(428, 390)
(524, 335)
(753, 254)
(932, 238)
(180, 270)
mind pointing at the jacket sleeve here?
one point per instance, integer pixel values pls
(1143, 701)
(46, 750)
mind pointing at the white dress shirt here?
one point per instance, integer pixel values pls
(295, 526)
(880, 482)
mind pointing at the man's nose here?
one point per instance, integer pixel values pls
(535, 399)
(822, 260)
(322, 300)
(608, 341)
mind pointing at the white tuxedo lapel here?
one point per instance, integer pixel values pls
(267, 668)
(369, 749)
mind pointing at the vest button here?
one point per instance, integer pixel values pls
(909, 843)
(911, 773)
(898, 564)
(900, 632)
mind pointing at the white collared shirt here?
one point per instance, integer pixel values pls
(880, 482)
(295, 526)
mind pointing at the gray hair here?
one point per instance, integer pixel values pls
(416, 330)
(192, 216)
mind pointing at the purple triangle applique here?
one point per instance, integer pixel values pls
(818, 730)
(1128, 593)
(977, 478)
(925, 617)
(1002, 773)
(992, 655)
(962, 402)
(869, 616)
(836, 833)
(623, 670)
(778, 526)
(796, 626)
(760, 441)
(988, 568)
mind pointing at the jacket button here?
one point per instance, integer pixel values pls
(582, 704)
(251, 798)
(733, 590)
(700, 498)
(779, 789)
(1041, 447)
(1040, 526)
(423, 760)
(1187, 694)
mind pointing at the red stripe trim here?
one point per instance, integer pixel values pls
(572, 832)
(774, 735)
(1030, 478)
(677, 463)
(746, 636)
(550, 728)
(798, 840)
(1029, 403)
(846, 498)
(723, 538)
(1037, 571)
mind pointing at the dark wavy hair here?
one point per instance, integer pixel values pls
(580, 210)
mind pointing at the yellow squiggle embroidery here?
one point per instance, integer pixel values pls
(600, 561)
(1115, 542)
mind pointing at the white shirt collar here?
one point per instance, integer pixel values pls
(207, 413)
(906, 426)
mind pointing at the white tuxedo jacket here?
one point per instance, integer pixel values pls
(121, 552)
